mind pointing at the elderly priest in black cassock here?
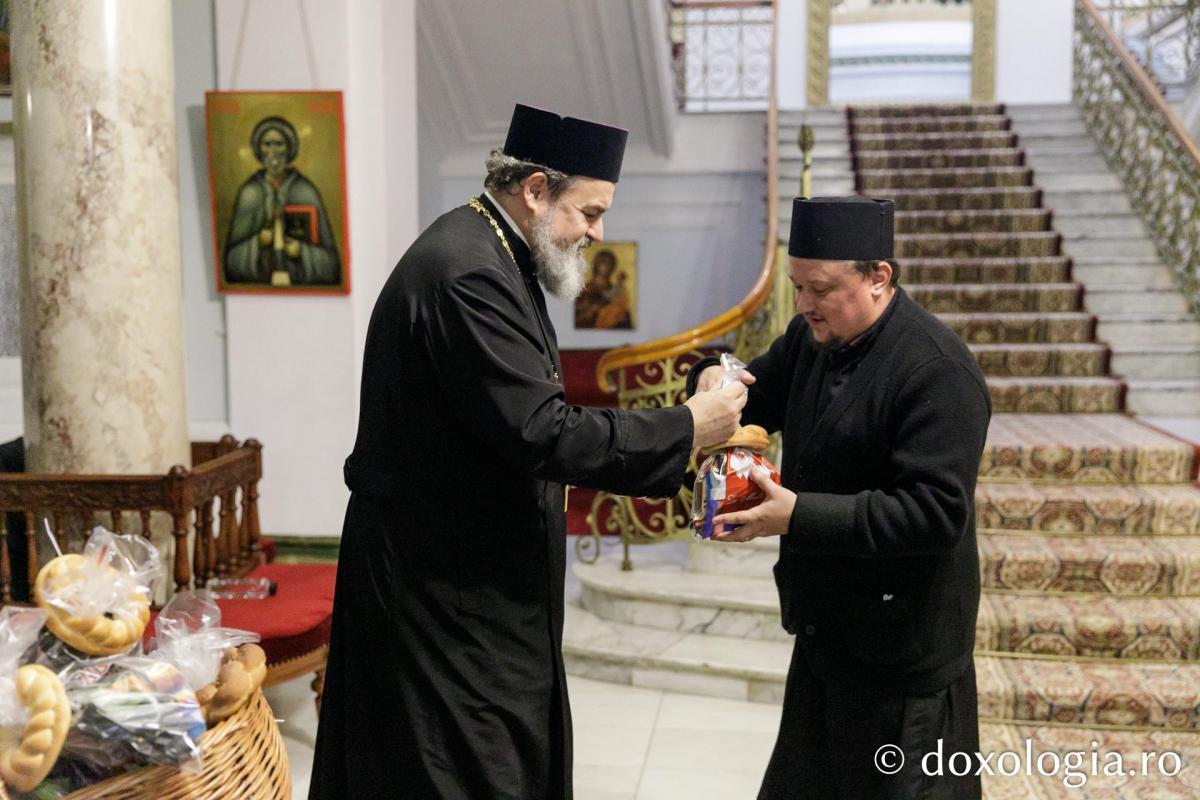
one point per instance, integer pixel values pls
(884, 415)
(445, 675)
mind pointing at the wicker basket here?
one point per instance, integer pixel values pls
(243, 758)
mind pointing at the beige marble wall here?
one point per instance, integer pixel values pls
(101, 297)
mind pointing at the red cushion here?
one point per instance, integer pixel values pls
(297, 619)
(267, 548)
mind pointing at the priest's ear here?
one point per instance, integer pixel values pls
(881, 276)
(535, 191)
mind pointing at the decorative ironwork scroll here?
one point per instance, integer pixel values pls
(1141, 140)
(722, 53)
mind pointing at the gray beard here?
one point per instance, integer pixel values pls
(560, 268)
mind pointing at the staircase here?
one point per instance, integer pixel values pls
(1011, 230)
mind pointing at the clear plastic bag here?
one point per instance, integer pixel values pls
(133, 711)
(19, 629)
(115, 567)
(188, 635)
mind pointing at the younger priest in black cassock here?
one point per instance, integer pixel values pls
(445, 675)
(884, 415)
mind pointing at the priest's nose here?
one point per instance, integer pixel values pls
(595, 231)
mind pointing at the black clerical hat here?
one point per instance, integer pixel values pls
(842, 228)
(573, 146)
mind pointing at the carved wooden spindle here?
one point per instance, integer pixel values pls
(228, 550)
(31, 557)
(180, 501)
(144, 514)
(5, 566)
(202, 565)
(250, 506)
(116, 520)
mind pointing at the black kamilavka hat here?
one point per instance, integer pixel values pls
(573, 146)
(842, 229)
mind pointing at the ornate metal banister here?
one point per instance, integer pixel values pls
(1143, 141)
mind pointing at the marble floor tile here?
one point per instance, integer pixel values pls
(611, 745)
(606, 783)
(717, 750)
(689, 712)
(675, 784)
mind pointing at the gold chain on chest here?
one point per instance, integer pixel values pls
(478, 206)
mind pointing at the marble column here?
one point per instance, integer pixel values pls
(98, 212)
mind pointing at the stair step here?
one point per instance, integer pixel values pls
(974, 245)
(1148, 274)
(989, 221)
(983, 198)
(1085, 201)
(1122, 565)
(1106, 226)
(1054, 395)
(1050, 128)
(716, 666)
(1119, 297)
(936, 141)
(1088, 510)
(997, 297)
(926, 110)
(1141, 328)
(862, 125)
(1142, 628)
(1128, 695)
(937, 159)
(1083, 448)
(1041, 360)
(1065, 328)
(1036, 111)
(1164, 398)
(1088, 163)
(1105, 626)
(1052, 182)
(668, 598)
(1050, 269)
(1091, 246)
(1118, 693)
(1152, 361)
(883, 179)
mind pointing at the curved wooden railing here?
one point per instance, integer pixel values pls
(675, 345)
(1143, 141)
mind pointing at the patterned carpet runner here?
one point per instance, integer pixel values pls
(1088, 636)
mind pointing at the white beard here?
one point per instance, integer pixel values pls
(560, 268)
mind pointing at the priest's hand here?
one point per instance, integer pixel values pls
(771, 517)
(711, 377)
(715, 415)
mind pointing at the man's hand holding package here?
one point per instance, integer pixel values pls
(710, 378)
(716, 414)
(771, 517)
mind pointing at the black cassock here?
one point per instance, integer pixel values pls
(445, 676)
(878, 574)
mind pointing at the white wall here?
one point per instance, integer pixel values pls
(791, 87)
(697, 215)
(294, 361)
(203, 310)
(1034, 50)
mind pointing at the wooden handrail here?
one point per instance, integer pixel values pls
(682, 342)
(1144, 83)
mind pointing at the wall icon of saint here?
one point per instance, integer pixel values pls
(278, 229)
(609, 294)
